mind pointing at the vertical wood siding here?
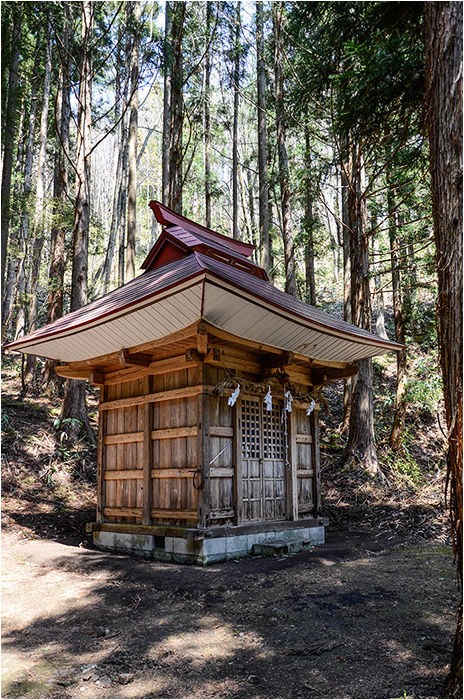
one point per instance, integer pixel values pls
(184, 453)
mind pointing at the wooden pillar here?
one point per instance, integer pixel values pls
(292, 485)
(147, 451)
(316, 459)
(204, 455)
(237, 458)
(101, 460)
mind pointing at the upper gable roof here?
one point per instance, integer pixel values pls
(195, 274)
(181, 237)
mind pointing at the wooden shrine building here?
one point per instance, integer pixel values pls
(208, 443)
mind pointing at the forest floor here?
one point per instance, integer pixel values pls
(371, 614)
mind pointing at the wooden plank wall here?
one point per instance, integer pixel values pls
(169, 453)
(303, 448)
(169, 442)
(221, 466)
(123, 454)
(176, 455)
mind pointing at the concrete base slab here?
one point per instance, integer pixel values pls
(272, 549)
(206, 550)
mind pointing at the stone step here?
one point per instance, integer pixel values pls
(271, 549)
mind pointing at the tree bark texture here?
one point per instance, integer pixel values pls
(399, 416)
(284, 175)
(345, 178)
(166, 102)
(236, 84)
(309, 226)
(207, 114)
(361, 439)
(177, 108)
(133, 13)
(9, 132)
(264, 219)
(53, 383)
(82, 195)
(39, 215)
(443, 41)
(74, 412)
(21, 237)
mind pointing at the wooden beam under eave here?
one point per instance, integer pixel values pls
(324, 374)
(68, 372)
(276, 361)
(94, 376)
(172, 364)
(97, 378)
(138, 359)
(202, 344)
(215, 332)
(178, 336)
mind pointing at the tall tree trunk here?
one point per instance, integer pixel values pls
(399, 415)
(167, 101)
(361, 439)
(236, 81)
(309, 226)
(443, 41)
(177, 108)
(54, 383)
(207, 114)
(264, 219)
(23, 189)
(39, 216)
(8, 295)
(74, 409)
(284, 174)
(24, 242)
(345, 179)
(9, 131)
(379, 295)
(250, 185)
(118, 210)
(133, 12)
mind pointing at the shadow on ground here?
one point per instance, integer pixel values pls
(358, 617)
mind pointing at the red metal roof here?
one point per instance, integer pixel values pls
(181, 236)
(275, 297)
(154, 284)
(168, 217)
(145, 287)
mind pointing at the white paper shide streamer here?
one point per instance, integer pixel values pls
(268, 399)
(232, 399)
(311, 407)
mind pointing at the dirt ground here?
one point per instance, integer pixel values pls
(371, 614)
(363, 616)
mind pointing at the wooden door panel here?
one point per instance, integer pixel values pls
(263, 461)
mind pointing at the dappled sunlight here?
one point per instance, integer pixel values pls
(213, 640)
(261, 627)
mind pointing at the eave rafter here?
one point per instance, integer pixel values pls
(204, 343)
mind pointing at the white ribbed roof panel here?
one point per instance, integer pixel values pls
(133, 327)
(261, 323)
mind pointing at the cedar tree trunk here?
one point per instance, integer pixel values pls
(443, 41)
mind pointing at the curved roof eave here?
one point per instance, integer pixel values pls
(233, 300)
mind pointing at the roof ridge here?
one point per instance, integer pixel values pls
(167, 217)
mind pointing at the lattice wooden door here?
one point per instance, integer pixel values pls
(263, 461)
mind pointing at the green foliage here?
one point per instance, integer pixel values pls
(425, 389)
(403, 464)
(369, 63)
